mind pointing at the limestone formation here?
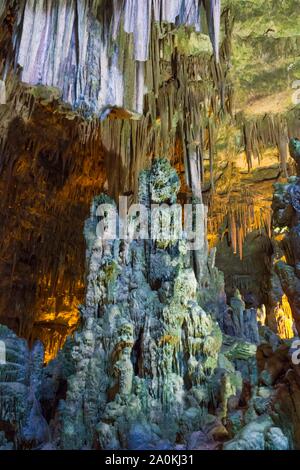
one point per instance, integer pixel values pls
(286, 221)
(90, 69)
(148, 361)
(259, 435)
(146, 345)
(20, 388)
(85, 110)
(148, 368)
(241, 322)
(144, 342)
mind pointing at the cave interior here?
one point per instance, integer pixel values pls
(147, 344)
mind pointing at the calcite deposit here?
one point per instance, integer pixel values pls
(148, 368)
(286, 220)
(85, 110)
(137, 340)
(95, 40)
(147, 353)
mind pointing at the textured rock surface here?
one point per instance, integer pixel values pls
(259, 435)
(146, 345)
(75, 46)
(278, 370)
(241, 322)
(125, 380)
(148, 368)
(20, 386)
(295, 152)
(286, 222)
(148, 362)
(56, 156)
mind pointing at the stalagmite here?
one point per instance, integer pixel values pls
(87, 36)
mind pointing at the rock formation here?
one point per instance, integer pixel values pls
(144, 343)
(23, 423)
(147, 352)
(103, 46)
(148, 368)
(286, 221)
(110, 106)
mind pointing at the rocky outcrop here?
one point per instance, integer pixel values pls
(241, 322)
(279, 372)
(149, 368)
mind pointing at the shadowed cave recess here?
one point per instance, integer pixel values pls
(145, 344)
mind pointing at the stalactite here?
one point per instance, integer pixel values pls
(173, 109)
(284, 319)
(265, 132)
(213, 12)
(82, 59)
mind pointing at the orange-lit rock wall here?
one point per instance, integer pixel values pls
(49, 173)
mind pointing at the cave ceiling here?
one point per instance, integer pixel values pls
(90, 107)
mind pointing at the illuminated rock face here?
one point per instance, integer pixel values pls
(53, 173)
(147, 352)
(148, 368)
(286, 221)
(259, 435)
(53, 160)
(20, 387)
(148, 362)
(295, 152)
(81, 46)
